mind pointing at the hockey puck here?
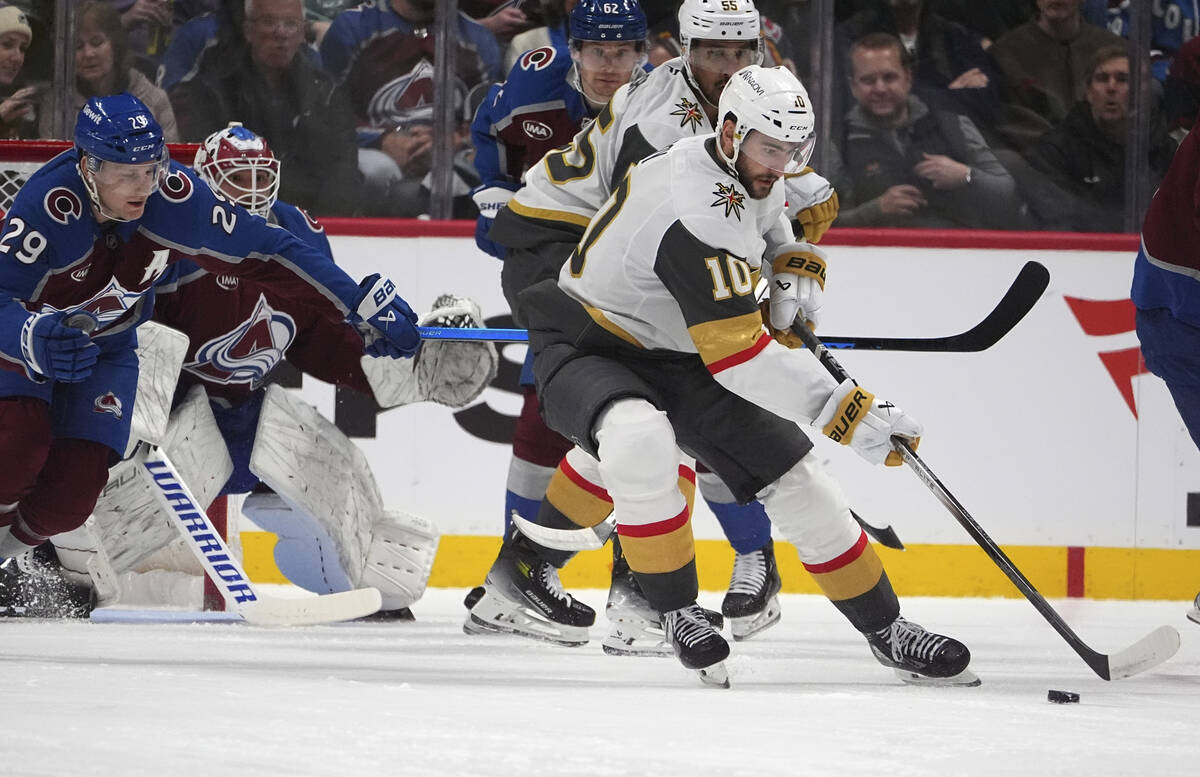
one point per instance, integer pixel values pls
(1062, 697)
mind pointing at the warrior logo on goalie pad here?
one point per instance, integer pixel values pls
(250, 351)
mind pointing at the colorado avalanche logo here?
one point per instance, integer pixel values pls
(63, 205)
(409, 97)
(248, 352)
(110, 303)
(176, 186)
(537, 59)
(108, 403)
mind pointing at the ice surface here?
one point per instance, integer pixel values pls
(425, 699)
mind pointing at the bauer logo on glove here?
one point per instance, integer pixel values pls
(853, 416)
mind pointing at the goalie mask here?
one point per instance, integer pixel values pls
(772, 116)
(239, 165)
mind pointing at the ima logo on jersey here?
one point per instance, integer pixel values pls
(689, 114)
(729, 196)
(536, 129)
(249, 352)
(108, 403)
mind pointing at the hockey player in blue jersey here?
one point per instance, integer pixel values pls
(85, 242)
(549, 94)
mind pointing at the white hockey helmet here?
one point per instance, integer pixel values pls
(235, 149)
(772, 101)
(735, 20)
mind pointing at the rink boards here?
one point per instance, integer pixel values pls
(1059, 445)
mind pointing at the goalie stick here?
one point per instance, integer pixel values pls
(1022, 295)
(1150, 651)
(209, 548)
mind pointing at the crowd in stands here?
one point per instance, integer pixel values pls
(1008, 114)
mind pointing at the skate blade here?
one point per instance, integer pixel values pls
(1194, 615)
(619, 643)
(715, 675)
(746, 627)
(633, 635)
(965, 679)
(499, 616)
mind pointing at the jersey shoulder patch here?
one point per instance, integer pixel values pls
(537, 59)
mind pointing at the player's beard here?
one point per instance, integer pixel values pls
(758, 186)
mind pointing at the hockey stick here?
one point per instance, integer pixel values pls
(1150, 651)
(885, 536)
(593, 538)
(209, 548)
(1022, 295)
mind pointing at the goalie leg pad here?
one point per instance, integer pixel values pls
(400, 558)
(319, 472)
(197, 448)
(160, 353)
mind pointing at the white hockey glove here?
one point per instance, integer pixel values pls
(812, 202)
(797, 289)
(854, 417)
(451, 372)
(491, 200)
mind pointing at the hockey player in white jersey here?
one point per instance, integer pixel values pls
(546, 218)
(651, 341)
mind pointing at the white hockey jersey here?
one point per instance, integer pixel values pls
(671, 263)
(646, 115)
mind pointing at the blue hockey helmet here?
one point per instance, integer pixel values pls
(119, 129)
(608, 20)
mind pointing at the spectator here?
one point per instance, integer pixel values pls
(103, 67)
(1173, 23)
(320, 13)
(906, 166)
(1085, 155)
(150, 24)
(553, 33)
(18, 102)
(504, 19)
(217, 34)
(1042, 62)
(990, 19)
(381, 56)
(274, 89)
(1181, 98)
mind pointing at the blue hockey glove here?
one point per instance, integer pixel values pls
(391, 325)
(55, 351)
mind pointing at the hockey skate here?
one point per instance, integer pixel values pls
(752, 603)
(920, 657)
(1194, 615)
(635, 627)
(522, 595)
(33, 585)
(697, 644)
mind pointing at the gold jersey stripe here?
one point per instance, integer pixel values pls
(545, 214)
(725, 337)
(661, 552)
(603, 322)
(577, 503)
(854, 579)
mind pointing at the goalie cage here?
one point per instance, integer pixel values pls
(20, 159)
